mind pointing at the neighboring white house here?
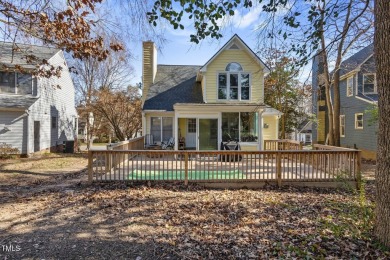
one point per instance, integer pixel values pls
(36, 113)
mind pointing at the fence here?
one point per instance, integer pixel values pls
(285, 144)
(282, 166)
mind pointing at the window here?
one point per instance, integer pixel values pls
(161, 128)
(369, 83)
(349, 86)
(53, 122)
(239, 126)
(191, 125)
(16, 83)
(342, 125)
(234, 84)
(248, 127)
(359, 121)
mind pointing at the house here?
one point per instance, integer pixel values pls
(202, 106)
(303, 133)
(358, 95)
(36, 113)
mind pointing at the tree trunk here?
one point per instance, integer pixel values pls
(382, 57)
(336, 108)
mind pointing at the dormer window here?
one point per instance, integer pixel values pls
(16, 83)
(234, 84)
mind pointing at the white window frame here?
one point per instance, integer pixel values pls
(15, 87)
(342, 126)
(375, 86)
(240, 127)
(239, 87)
(161, 125)
(356, 120)
(349, 87)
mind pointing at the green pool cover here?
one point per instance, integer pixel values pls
(179, 175)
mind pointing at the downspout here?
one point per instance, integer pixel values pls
(27, 132)
(260, 129)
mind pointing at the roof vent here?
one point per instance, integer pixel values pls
(234, 47)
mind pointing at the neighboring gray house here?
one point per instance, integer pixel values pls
(36, 113)
(303, 133)
(358, 95)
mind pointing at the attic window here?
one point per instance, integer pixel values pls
(234, 66)
(234, 47)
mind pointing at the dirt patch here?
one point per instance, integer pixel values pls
(79, 221)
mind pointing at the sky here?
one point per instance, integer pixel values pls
(178, 50)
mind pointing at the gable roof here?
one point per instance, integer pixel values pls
(356, 60)
(173, 84)
(15, 54)
(249, 50)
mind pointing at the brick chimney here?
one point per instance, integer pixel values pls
(149, 67)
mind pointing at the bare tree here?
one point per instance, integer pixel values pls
(93, 75)
(121, 110)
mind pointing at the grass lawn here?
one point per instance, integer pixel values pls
(179, 175)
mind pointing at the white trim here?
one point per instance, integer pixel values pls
(368, 101)
(239, 73)
(342, 116)
(375, 84)
(347, 88)
(235, 37)
(356, 121)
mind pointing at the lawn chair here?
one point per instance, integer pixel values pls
(148, 140)
(168, 145)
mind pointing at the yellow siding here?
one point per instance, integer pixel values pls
(156, 114)
(248, 64)
(182, 126)
(321, 127)
(247, 147)
(270, 133)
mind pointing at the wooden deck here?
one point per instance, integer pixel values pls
(225, 166)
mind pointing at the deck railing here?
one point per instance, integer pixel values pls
(225, 166)
(132, 144)
(282, 145)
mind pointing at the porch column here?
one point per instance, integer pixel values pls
(175, 131)
(143, 124)
(260, 129)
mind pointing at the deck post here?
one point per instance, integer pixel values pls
(358, 169)
(90, 160)
(279, 168)
(186, 169)
(108, 160)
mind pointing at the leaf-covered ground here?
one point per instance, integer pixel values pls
(78, 221)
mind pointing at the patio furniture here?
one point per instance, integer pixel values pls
(168, 145)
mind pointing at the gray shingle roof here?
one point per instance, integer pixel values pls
(18, 102)
(11, 55)
(174, 84)
(356, 60)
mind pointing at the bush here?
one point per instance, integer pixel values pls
(6, 151)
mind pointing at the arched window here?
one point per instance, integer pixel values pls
(234, 66)
(234, 84)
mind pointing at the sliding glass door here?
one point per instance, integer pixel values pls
(208, 134)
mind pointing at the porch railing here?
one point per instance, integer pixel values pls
(225, 166)
(282, 145)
